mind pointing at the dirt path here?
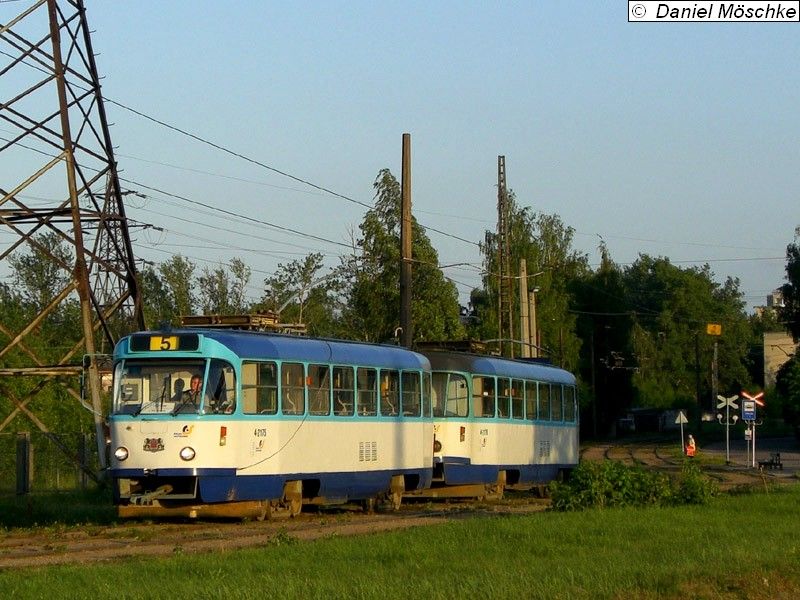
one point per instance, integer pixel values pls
(42, 547)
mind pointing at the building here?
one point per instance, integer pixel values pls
(778, 349)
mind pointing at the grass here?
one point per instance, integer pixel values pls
(736, 547)
(57, 509)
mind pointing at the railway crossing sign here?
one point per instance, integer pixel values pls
(681, 420)
(729, 402)
(749, 405)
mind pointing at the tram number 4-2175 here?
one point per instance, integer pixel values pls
(260, 432)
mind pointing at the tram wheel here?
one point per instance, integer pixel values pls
(293, 497)
(396, 490)
(368, 504)
(264, 511)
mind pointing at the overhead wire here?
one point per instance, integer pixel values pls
(342, 196)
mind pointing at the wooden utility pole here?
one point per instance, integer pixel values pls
(406, 334)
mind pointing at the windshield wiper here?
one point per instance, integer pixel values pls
(160, 400)
(190, 398)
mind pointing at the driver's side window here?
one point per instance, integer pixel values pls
(259, 388)
(220, 388)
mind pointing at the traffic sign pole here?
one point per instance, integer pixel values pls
(749, 415)
(727, 403)
(682, 419)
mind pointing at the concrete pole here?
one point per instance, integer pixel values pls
(524, 322)
(407, 335)
(534, 332)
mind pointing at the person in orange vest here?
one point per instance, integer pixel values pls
(690, 447)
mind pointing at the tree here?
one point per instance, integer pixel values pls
(288, 288)
(790, 311)
(672, 307)
(177, 275)
(45, 271)
(787, 383)
(239, 279)
(158, 307)
(368, 279)
(546, 245)
(787, 386)
(41, 273)
(605, 326)
(222, 291)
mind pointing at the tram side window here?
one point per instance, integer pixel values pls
(483, 396)
(390, 393)
(426, 394)
(503, 397)
(544, 402)
(367, 396)
(292, 389)
(517, 399)
(260, 388)
(319, 389)
(221, 387)
(530, 400)
(439, 394)
(569, 403)
(411, 394)
(343, 391)
(556, 401)
(456, 402)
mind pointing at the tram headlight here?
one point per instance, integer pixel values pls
(121, 453)
(187, 453)
(437, 446)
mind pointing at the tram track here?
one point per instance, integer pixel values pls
(42, 547)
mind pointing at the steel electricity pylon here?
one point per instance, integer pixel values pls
(60, 201)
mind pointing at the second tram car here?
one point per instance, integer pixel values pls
(500, 421)
(219, 422)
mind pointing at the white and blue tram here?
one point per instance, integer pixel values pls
(216, 422)
(500, 422)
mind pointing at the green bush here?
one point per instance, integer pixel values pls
(693, 487)
(610, 483)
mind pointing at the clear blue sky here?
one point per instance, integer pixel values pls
(676, 140)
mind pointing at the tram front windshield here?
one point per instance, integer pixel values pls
(158, 388)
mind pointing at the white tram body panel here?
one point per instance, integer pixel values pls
(476, 440)
(238, 454)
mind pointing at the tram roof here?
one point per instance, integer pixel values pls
(495, 365)
(270, 346)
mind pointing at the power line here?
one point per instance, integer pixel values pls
(237, 154)
(233, 214)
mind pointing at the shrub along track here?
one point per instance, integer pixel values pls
(664, 457)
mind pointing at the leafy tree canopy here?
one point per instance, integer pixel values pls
(546, 245)
(790, 311)
(369, 278)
